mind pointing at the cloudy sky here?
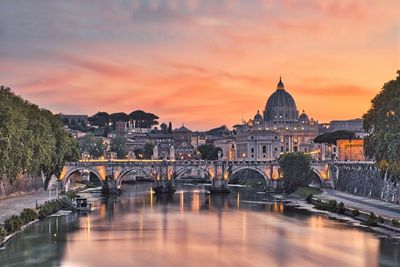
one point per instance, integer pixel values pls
(203, 63)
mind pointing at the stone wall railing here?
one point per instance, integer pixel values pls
(23, 184)
(365, 179)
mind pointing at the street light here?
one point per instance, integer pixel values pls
(244, 156)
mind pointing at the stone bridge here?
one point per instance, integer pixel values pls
(112, 172)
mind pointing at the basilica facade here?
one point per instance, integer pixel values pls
(279, 129)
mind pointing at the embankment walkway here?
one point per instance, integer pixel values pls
(379, 207)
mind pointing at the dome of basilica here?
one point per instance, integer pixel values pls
(281, 107)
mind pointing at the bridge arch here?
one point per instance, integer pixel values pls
(179, 173)
(149, 173)
(66, 174)
(236, 170)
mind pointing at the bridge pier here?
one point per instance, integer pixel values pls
(110, 187)
(164, 186)
(219, 184)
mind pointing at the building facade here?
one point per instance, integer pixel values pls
(280, 130)
(183, 143)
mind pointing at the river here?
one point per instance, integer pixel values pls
(192, 228)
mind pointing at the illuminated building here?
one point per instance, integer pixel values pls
(350, 150)
(182, 143)
(281, 130)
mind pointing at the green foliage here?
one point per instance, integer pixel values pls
(170, 127)
(92, 145)
(100, 119)
(372, 220)
(148, 150)
(143, 119)
(395, 223)
(3, 233)
(331, 205)
(28, 215)
(31, 139)
(219, 131)
(71, 194)
(307, 192)
(382, 122)
(139, 153)
(118, 145)
(209, 151)
(13, 224)
(355, 213)
(164, 128)
(332, 137)
(48, 208)
(380, 219)
(341, 209)
(296, 171)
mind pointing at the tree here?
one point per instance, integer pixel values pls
(139, 153)
(143, 119)
(92, 145)
(332, 137)
(170, 127)
(118, 145)
(219, 131)
(296, 170)
(148, 150)
(32, 139)
(382, 123)
(100, 119)
(164, 128)
(209, 151)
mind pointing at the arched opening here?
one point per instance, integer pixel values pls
(192, 175)
(248, 177)
(77, 177)
(316, 180)
(133, 175)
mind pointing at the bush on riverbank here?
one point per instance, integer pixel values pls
(49, 208)
(396, 223)
(306, 192)
(372, 220)
(355, 213)
(13, 224)
(331, 205)
(28, 215)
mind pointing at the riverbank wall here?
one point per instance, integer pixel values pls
(367, 180)
(24, 184)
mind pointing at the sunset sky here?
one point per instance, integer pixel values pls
(203, 63)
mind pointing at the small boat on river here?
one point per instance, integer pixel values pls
(82, 204)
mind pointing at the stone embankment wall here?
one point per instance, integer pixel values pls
(366, 180)
(22, 185)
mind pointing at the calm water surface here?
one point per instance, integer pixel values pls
(192, 228)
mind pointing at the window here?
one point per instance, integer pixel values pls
(264, 149)
(252, 150)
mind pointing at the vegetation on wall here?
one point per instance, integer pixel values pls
(382, 123)
(32, 140)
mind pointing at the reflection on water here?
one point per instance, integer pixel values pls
(193, 228)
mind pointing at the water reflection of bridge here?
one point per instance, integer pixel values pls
(113, 172)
